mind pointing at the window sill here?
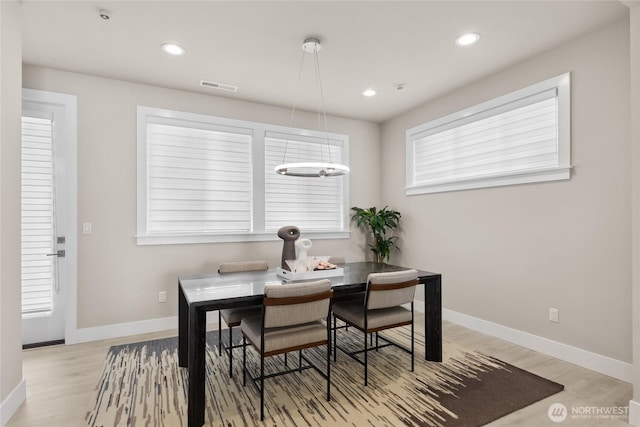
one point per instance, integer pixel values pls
(539, 175)
(183, 239)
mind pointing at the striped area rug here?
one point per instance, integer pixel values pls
(142, 385)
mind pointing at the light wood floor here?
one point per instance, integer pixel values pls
(60, 380)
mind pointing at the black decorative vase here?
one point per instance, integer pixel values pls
(289, 234)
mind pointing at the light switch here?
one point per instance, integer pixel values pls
(86, 228)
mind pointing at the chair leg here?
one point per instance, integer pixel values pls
(335, 329)
(412, 344)
(220, 332)
(261, 386)
(299, 360)
(285, 359)
(377, 343)
(329, 359)
(365, 359)
(230, 352)
(244, 361)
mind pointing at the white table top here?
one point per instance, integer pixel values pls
(218, 287)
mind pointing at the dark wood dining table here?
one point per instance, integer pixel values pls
(202, 293)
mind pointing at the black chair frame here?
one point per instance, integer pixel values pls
(221, 345)
(370, 331)
(230, 346)
(259, 380)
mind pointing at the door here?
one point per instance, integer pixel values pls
(43, 253)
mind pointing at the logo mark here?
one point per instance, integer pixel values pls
(557, 412)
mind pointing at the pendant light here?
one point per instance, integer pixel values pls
(321, 168)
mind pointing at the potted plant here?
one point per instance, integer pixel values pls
(379, 222)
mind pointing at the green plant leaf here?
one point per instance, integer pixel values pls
(378, 222)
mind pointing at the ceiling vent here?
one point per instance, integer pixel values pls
(220, 86)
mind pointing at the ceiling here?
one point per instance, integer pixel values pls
(257, 45)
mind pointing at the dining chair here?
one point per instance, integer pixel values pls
(381, 309)
(233, 316)
(292, 320)
(339, 260)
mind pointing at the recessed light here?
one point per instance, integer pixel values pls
(173, 49)
(467, 39)
(369, 92)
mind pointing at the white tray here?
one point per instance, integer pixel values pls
(307, 275)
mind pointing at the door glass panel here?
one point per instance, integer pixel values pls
(38, 203)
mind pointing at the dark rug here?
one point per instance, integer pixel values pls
(142, 385)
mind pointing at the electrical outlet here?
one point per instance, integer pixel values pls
(162, 296)
(554, 315)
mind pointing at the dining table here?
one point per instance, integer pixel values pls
(199, 294)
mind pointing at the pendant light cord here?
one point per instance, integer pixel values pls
(295, 102)
(321, 104)
(303, 168)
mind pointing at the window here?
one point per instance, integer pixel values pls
(310, 203)
(198, 180)
(517, 138)
(211, 179)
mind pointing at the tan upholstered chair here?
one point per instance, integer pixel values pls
(291, 320)
(381, 309)
(233, 316)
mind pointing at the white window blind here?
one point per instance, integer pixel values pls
(37, 215)
(199, 180)
(522, 137)
(312, 204)
(211, 179)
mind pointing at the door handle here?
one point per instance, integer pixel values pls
(60, 253)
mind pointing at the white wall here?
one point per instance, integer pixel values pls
(12, 391)
(508, 254)
(118, 282)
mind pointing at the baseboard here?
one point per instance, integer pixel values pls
(132, 328)
(121, 330)
(634, 413)
(593, 361)
(10, 405)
